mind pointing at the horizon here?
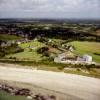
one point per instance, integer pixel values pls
(49, 18)
(49, 9)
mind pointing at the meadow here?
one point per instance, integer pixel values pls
(85, 47)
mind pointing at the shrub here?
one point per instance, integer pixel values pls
(46, 54)
(61, 67)
(42, 39)
(18, 49)
(10, 49)
(42, 50)
(78, 69)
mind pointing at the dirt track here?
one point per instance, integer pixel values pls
(85, 88)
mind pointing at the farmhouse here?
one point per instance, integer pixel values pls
(72, 59)
(85, 58)
(65, 57)
(60, 57)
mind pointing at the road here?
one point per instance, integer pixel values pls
(83, 87)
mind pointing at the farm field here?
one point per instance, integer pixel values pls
(90, 48)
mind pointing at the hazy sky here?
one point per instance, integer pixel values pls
(49, 8)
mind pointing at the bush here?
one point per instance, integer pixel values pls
(42, 39)
(46, 54)
(78, 69)
(97, 54)
(18, 49)
(10, 49)
(42, 50)
(61, 67)
(12, 58)
(2, 54)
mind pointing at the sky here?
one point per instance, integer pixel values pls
(50, 9)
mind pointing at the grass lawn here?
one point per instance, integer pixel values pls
(87, 48)
(27, 54)
(6, 96)
(8, 37)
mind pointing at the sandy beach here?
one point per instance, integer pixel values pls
(64, 86)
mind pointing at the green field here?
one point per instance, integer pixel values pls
(89, 48)
(8, 37)
(6, 96)
(29, 54)
(81, 48)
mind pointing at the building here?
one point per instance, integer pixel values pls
(69, 59)
(86, 58)
(60, 57)
(65, 57)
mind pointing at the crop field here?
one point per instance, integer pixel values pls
(90, 48)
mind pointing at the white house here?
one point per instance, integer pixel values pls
(86, 58)
(63, 58)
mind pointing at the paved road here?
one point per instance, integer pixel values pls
(82, 87)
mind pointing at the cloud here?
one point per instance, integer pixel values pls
(49, 8)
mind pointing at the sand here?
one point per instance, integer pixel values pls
(64, 86)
